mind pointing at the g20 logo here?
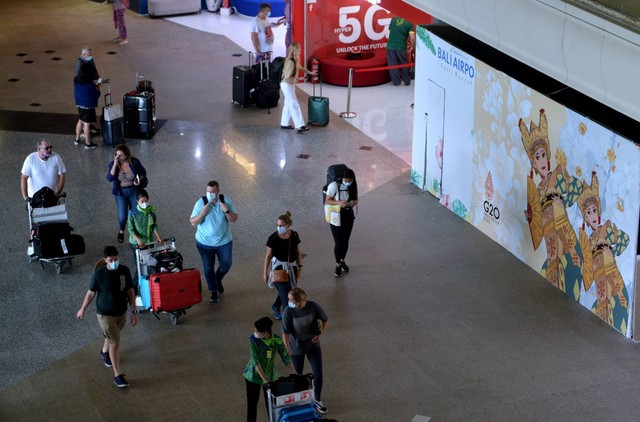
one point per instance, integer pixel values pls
(491, 210)
(350, 27)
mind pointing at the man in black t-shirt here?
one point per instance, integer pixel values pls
(112, 286)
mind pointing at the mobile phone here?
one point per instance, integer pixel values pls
(99, 80)
(221, 197)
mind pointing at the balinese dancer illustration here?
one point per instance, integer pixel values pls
(546, 209)
(600, 249)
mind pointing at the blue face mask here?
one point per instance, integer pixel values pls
(89, 58)
(282, 230)
(292, 305)
(347, 184)
(268, 14)
(114, 265)
(211, 196)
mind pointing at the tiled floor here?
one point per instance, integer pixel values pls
(433, 319)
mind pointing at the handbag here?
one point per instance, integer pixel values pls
(143, 182)
(332, 214)
(282, 276)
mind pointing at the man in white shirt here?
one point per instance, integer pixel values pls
(42, 168)
(262, 34)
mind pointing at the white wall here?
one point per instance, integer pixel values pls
(581, 50)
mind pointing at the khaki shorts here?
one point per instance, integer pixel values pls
(111, 326)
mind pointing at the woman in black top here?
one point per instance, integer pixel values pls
(283, 253)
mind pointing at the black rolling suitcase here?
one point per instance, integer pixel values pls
(112, 121)
(245, 80)
(139, 114)
(318, 108)
(268, 91)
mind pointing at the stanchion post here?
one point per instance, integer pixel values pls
(349, 114)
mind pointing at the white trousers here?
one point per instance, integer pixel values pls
(291, 108)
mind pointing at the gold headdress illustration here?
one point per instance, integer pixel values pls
(535, 136)
(589, 195)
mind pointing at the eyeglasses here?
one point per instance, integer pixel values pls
(47, 148)
(281, 225)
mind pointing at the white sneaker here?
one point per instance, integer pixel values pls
(320, 407)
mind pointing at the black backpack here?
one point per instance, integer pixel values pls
(334, 174)
(44, 198)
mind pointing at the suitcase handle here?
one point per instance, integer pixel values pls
(169, 240)
(107, 82)
(314, 85)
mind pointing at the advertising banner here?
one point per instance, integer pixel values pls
(551, 186)
(346, 26)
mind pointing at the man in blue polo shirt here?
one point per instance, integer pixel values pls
(211, 216)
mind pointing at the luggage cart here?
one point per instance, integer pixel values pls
(55, 214)
(291, 398)
(144, 257)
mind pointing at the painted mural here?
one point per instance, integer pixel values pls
(553, 187)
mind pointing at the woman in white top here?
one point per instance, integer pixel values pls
(291, 109)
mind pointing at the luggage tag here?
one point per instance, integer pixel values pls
(63, 243)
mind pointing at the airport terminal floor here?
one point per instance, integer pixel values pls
(433, 320)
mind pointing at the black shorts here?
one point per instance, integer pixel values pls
(87, 115)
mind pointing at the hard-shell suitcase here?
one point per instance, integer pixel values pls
(302, 413)
(174, 291)
(112, 120)
(318, 108)
(245, 81)
(139, 114)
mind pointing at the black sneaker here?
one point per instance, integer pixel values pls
(76, 142)
(276, 312)
(320, 407)
(120, 381)
(303, 129)
(90, 145)
(106, 359)
(338, 271)
(214, 297)
(220, 287)
(344, 266)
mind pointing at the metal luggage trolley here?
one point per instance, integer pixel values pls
(144, 256)
(289, 396)
(55, 214)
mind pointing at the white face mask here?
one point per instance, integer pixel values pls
(257, 334)
(143, 205)
(292, 305)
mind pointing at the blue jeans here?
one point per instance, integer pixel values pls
(125, 203)
(208, 255)
(315, 360)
